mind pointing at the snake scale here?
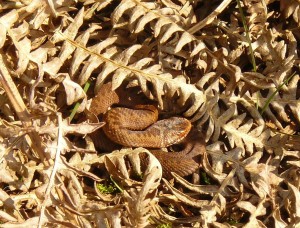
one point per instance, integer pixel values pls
(139, 127)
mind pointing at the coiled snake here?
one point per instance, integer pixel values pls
(138, 127)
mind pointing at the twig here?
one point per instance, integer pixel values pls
(210, 17)
(55, 167)
(33, 139)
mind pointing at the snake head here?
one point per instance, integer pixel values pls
(173, 130)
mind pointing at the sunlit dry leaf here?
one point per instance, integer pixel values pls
(254, 211)
(139, 202)
(7, 176)
(85, 128)
(143, 21)
(263, 179)
(7, 217)
(79, 168)
(74, 92)
(295, 206)
(117, 164)
(80, 54)
(6, 22)
(185, 198)
(287, 97)
(40, 55)
(70, 33)
(31, 222)
(257, 80)
(278, 220)
(118, 12)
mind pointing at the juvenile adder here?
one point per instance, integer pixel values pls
(139, 127)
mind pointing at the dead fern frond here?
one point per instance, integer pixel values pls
(139, 200)
(257, 19)
(187, 58)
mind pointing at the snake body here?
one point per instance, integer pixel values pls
(138, 127)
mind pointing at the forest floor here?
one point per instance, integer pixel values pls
(230, 67)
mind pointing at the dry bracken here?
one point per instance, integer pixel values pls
(230, 67)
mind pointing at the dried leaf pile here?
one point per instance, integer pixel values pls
(231, 67)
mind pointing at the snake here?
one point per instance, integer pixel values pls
(138, 126)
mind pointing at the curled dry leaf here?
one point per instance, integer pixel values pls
(139, 197)
(74, 92)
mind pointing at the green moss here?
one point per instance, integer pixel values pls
(166, 225)
(205, 179)
(107, 189)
